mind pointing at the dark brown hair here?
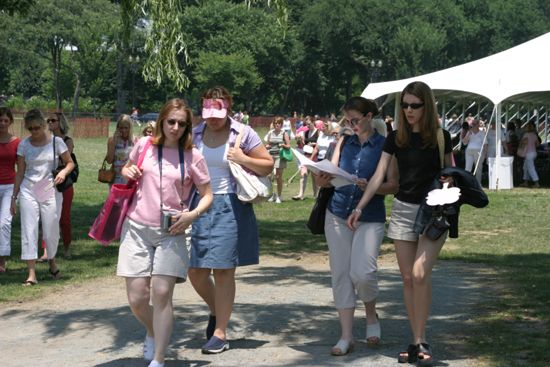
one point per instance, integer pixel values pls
(362, 105)
(429, 121)
(5, 111)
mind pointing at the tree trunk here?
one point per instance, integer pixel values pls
(56, 60)
(120, 92)
(76, 95)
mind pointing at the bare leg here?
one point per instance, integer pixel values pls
(31, 266)
(163, 314)
(204, 286)
(426, 257)
(279, 178)
(405, 251)
(138, 292)
(346, 323)
(225, 297)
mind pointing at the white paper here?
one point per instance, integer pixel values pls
(340, 177)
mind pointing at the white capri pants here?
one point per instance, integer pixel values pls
(353, 260)
(472, 156)
(31, 212)
(6, 191)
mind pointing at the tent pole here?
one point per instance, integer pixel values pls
(498, 114)
(545, 124)
(443, 117)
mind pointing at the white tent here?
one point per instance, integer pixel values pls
(520, 75)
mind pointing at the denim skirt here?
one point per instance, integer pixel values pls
(226, 236)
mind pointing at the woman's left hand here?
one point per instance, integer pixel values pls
(183, 220)
(447, 179)
(236, 155)
(60, 177)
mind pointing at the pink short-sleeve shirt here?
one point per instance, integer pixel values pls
(145, 208)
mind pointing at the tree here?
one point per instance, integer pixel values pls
(166, 47)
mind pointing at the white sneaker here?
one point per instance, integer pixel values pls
(149, 348)
(156, 364)
(271, 199)
(278, 200)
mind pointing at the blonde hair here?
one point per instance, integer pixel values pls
(124, 120)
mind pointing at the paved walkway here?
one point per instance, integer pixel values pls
(283, 317)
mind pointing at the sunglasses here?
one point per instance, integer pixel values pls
(414, 106)
(51, 121)
(34, 128)
(172, 122)
(354, 121)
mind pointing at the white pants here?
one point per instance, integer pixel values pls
(6, 191)
(353, 260)
(471, 159)
(529, 171)
(31, 212)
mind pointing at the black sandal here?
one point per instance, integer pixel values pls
(425, 357)
(408, 356)
(55, 274)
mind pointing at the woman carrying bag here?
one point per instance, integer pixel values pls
(415, 147)
(227, 235)
(353, 253)
(35, 186)
(153, 253)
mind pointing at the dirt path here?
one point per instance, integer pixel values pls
(283, 316)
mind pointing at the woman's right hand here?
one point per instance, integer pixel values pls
(13, 207)
(352, 220)
(131, 172)
(322, 179)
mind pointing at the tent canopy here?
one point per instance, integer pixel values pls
(519, 74)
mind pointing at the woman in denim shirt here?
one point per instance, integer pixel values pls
(353, 253)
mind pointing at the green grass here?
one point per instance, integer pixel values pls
(509, 237)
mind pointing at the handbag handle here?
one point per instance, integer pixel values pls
(140, 159)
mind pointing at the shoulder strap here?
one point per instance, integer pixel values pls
(441, 146)
(239, 137)
(142, 154)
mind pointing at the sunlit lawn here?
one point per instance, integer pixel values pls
(511, 236)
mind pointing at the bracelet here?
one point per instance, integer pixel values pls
(14, 197)
(357, 210)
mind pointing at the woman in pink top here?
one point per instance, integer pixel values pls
(8, 159)
(153, 253)
(530, 141)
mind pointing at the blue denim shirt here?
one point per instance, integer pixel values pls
(360, 160)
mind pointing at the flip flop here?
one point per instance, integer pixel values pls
(29, 283)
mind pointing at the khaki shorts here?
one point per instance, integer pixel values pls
(146, 251)
(403, 216)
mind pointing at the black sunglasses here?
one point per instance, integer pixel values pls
(172, 122)
(51, 121)
(34, 128)
(414, 106)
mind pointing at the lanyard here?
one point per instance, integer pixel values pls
(182, 171)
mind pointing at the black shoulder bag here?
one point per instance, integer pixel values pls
(68, 180)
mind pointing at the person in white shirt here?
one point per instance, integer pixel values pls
(477, 148)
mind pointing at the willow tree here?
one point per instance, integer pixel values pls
(166, 49)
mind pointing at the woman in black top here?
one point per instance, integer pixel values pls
(415, 147)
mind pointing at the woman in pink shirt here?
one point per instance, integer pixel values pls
(153, 253)
(8, 159)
